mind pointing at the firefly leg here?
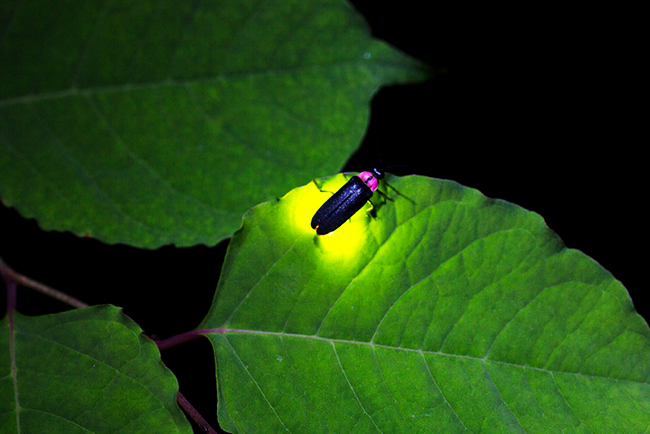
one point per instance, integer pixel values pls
(320, 189)
(385, 195)
(398, 193)
(375, 207)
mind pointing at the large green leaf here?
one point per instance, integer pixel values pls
(447, 313)
(84, 371)
(158, 122)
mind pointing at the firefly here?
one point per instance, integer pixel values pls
(346, 202)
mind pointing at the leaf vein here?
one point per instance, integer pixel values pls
(241, 362)
(154, 173)
(352, 388)
(127, 87)
(417, 351)
(566, 401)
(435, 383)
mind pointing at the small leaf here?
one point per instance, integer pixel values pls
(162, 122)
(448, 312)
(87, 370)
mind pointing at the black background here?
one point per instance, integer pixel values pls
(538, 107)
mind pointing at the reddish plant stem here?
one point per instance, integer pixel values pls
(13, 278)
(10, 275)
(195, 415)
(11, 293)
(181, 338)
(164, 344)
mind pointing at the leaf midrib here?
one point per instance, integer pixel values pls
(171, 82)
(483, 360)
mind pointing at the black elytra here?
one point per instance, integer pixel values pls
(346, 202)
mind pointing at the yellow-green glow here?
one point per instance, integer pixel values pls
(343, 242)
(349, 238)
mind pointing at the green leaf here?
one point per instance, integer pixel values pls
(448, 313)
(161, 122)
(87, 370)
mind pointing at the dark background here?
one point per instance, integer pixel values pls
(538, 107)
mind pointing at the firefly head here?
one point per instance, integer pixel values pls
(379, 174)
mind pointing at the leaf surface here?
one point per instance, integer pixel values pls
(162, 122)
(448, 312)
(84, 371)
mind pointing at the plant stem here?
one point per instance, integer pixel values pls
(10, 275)
(164, 344)
(13, 278)
(195, 415)
(11, 294)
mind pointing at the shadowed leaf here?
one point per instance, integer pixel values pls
(88, 370)
(162, 122)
